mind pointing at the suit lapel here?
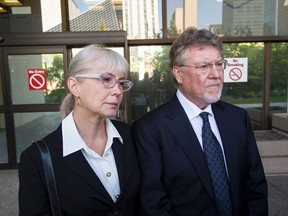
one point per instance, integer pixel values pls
(184, 134)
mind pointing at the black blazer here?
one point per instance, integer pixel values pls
(80, 190)
(175, 175)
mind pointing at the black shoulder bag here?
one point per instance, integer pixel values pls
(49, 176)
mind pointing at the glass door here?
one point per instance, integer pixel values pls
(32, 87)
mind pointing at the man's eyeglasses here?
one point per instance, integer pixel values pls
(206, 67)
(109, 80)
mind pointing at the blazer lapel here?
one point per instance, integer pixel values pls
(81, 167)
(184, 134)
(120, 159)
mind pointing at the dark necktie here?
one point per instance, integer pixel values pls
(215, 160)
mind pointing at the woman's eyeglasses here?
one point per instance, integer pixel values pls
(109, 81)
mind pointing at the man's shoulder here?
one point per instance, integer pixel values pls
(225, 105)
(159, 115)
(228, 110)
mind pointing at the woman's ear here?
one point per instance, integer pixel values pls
(177, 74)
(72, 85)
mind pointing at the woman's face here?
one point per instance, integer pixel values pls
(98, 99)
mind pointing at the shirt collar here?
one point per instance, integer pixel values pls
(190, 108)
(72, 141)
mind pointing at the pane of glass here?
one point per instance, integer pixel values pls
(255, 18)
(36, 79)
(33, 126)
(51, 15)
(1, 90)
(3, 140)
(95, 15)
(150, 72)
(248, 94)
(120, 50)
(175, 16)
(229, 17)
(139, 18)
(279, 86)
(30, 16)
(184, 13)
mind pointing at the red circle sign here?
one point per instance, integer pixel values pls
(235, 74)
(37, 79)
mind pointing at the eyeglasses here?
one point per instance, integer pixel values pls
(206, 67)
(109, 80)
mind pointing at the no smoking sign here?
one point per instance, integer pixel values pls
(37, 79)
(236, 70)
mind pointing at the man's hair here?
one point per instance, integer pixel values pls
(192, 37)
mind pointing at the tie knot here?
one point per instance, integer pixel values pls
(204, 116)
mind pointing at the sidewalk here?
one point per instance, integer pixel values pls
(278, 195)
(277, 185)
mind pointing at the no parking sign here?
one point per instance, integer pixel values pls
(236, 70)
(37, 79)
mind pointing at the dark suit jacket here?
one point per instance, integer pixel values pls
(175, 175)
(80, 190)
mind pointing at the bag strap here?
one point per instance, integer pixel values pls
(49, 177)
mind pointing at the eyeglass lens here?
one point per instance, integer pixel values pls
(110, 81)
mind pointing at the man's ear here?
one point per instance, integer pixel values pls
(72, 85)
(177, 74)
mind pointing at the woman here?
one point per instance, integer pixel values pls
(93, 156)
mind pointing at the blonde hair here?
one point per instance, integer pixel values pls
(96, 57)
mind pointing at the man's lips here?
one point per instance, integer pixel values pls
(213, 85)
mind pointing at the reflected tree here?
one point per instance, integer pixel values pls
(55, 81)
(279, 71)
(254, 87)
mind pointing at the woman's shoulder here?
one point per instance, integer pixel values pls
(49, 138)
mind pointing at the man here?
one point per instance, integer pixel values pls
(178, 177)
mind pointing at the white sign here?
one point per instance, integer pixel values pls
(236, 70)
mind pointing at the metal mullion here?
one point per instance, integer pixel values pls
(164, 19)
(267, 78)
(65, 15)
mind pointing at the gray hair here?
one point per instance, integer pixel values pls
(92, 57)
(191, 37)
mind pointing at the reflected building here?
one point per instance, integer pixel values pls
(276, 16)
(255, 17)
(243, 17)
(185, 16)
(141, 18)
(101, 17)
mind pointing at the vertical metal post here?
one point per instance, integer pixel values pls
(267, 74)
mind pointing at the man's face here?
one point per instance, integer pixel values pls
(200, 77)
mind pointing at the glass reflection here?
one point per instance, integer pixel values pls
(33, 126)
(47, 87)
(3, 141)
(279, 86)
(1, 90)
(152, 78)
(143, 19)
(30, 16)
(248, 95)
(139, 18)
